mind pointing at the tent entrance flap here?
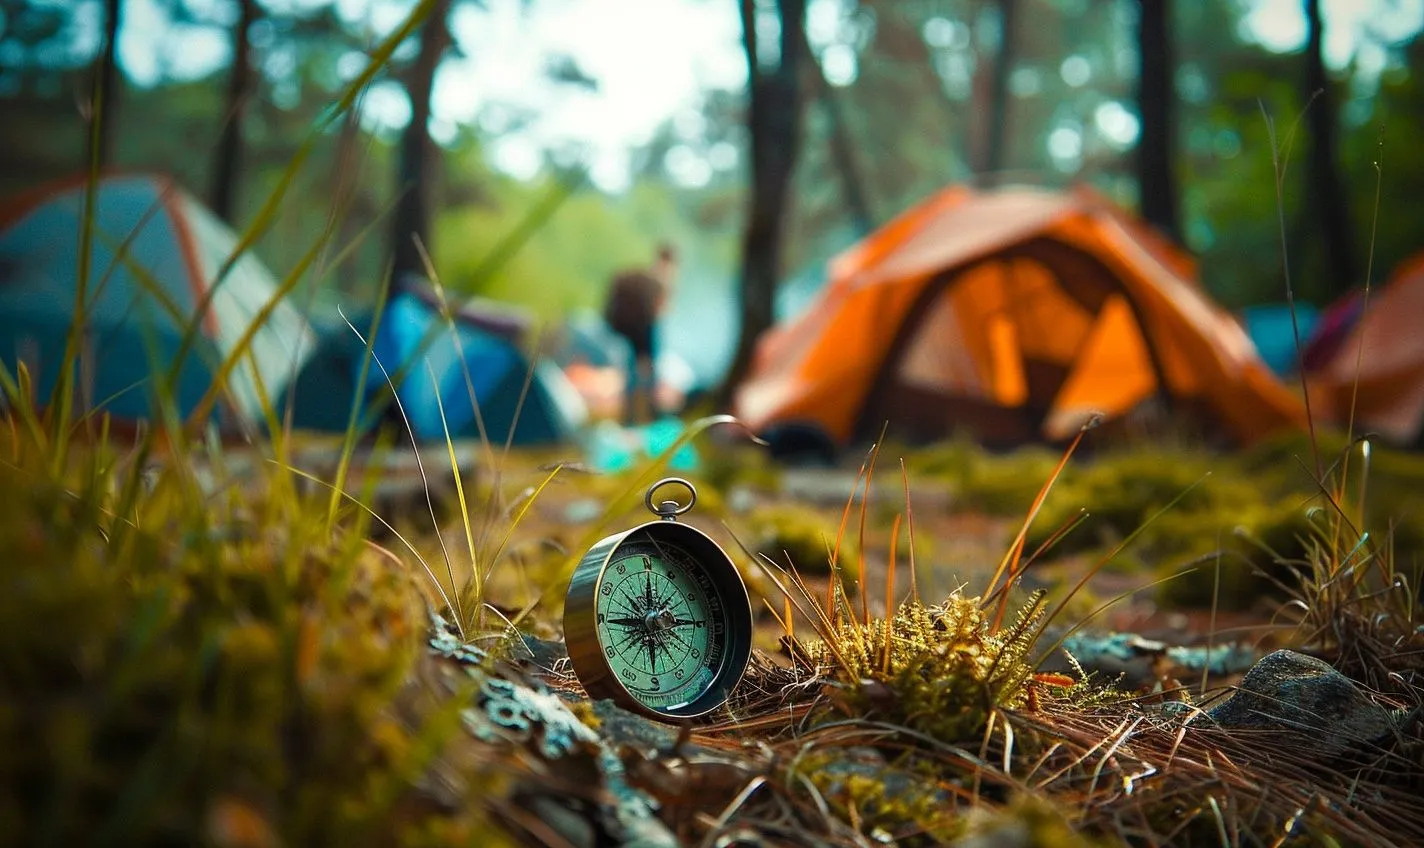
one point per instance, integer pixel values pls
(1112, 374)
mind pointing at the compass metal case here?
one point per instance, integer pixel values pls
(657, 617)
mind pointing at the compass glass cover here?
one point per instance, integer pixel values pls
(660, 623)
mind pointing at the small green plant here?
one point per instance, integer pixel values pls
(938, 670)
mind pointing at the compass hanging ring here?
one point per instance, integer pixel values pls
(657, 618)
(670, 509)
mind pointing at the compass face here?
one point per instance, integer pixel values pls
(661, 623)
(658, 619)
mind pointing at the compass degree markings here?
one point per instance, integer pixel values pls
(647, 618)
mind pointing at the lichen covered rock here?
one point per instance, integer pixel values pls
(1291, 692)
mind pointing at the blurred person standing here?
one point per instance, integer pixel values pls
(636, 300)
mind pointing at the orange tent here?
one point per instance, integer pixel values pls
(1386, 351)
(1014, 313)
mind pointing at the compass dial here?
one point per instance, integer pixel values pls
(660, 623)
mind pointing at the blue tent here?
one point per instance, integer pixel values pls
(473, 356)
(322, 394)
(155, 257)
(1271, 329)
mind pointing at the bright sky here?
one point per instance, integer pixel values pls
(651, 59)
(1353, 28)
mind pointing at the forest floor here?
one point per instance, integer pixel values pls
(209, 650)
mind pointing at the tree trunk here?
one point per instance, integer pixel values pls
(774, 121)
(992, 139)
(843, 150)
(106, 108)
(228, 165)
(417, 158)
(1325, 191)
(1156, 103)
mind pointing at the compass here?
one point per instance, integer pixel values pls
(657, 617)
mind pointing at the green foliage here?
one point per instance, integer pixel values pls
(566, 264)
(1244, 514)
(201, 665)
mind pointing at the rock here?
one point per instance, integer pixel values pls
(537, 718)
(1292, 692)
(622, 727)
(545, 653)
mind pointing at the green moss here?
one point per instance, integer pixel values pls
(726, 467)
(1249, 515)
(199, 673)
(1122, 491)
(880, 800)
(999, 484)
(803, 535)
(1028, 821)
(939, 670)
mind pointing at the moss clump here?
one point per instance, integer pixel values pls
(202, 672)
(939, 670)
(726, 467)
(1187, 509)
(1028, 821)
(1122, 491)
(804, 536)
(1251, 549)
(999, 484)
(886, 802)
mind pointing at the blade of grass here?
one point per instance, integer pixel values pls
(420, 465)
(1364, 314)
(386, 524)
(1278, 166)
(348, 440)
(1215, 601)
(508, 246)
(1008, 566)
(820, 621)
(241, 351)
(519, 514)
(1117, 549)
(832, 601)
(464, 517)
(864, 509)
(62, 396)
(890, 604)
(1100, 609)
(1044, 547)
(910, 523)
(448, 315)
(22, 404)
